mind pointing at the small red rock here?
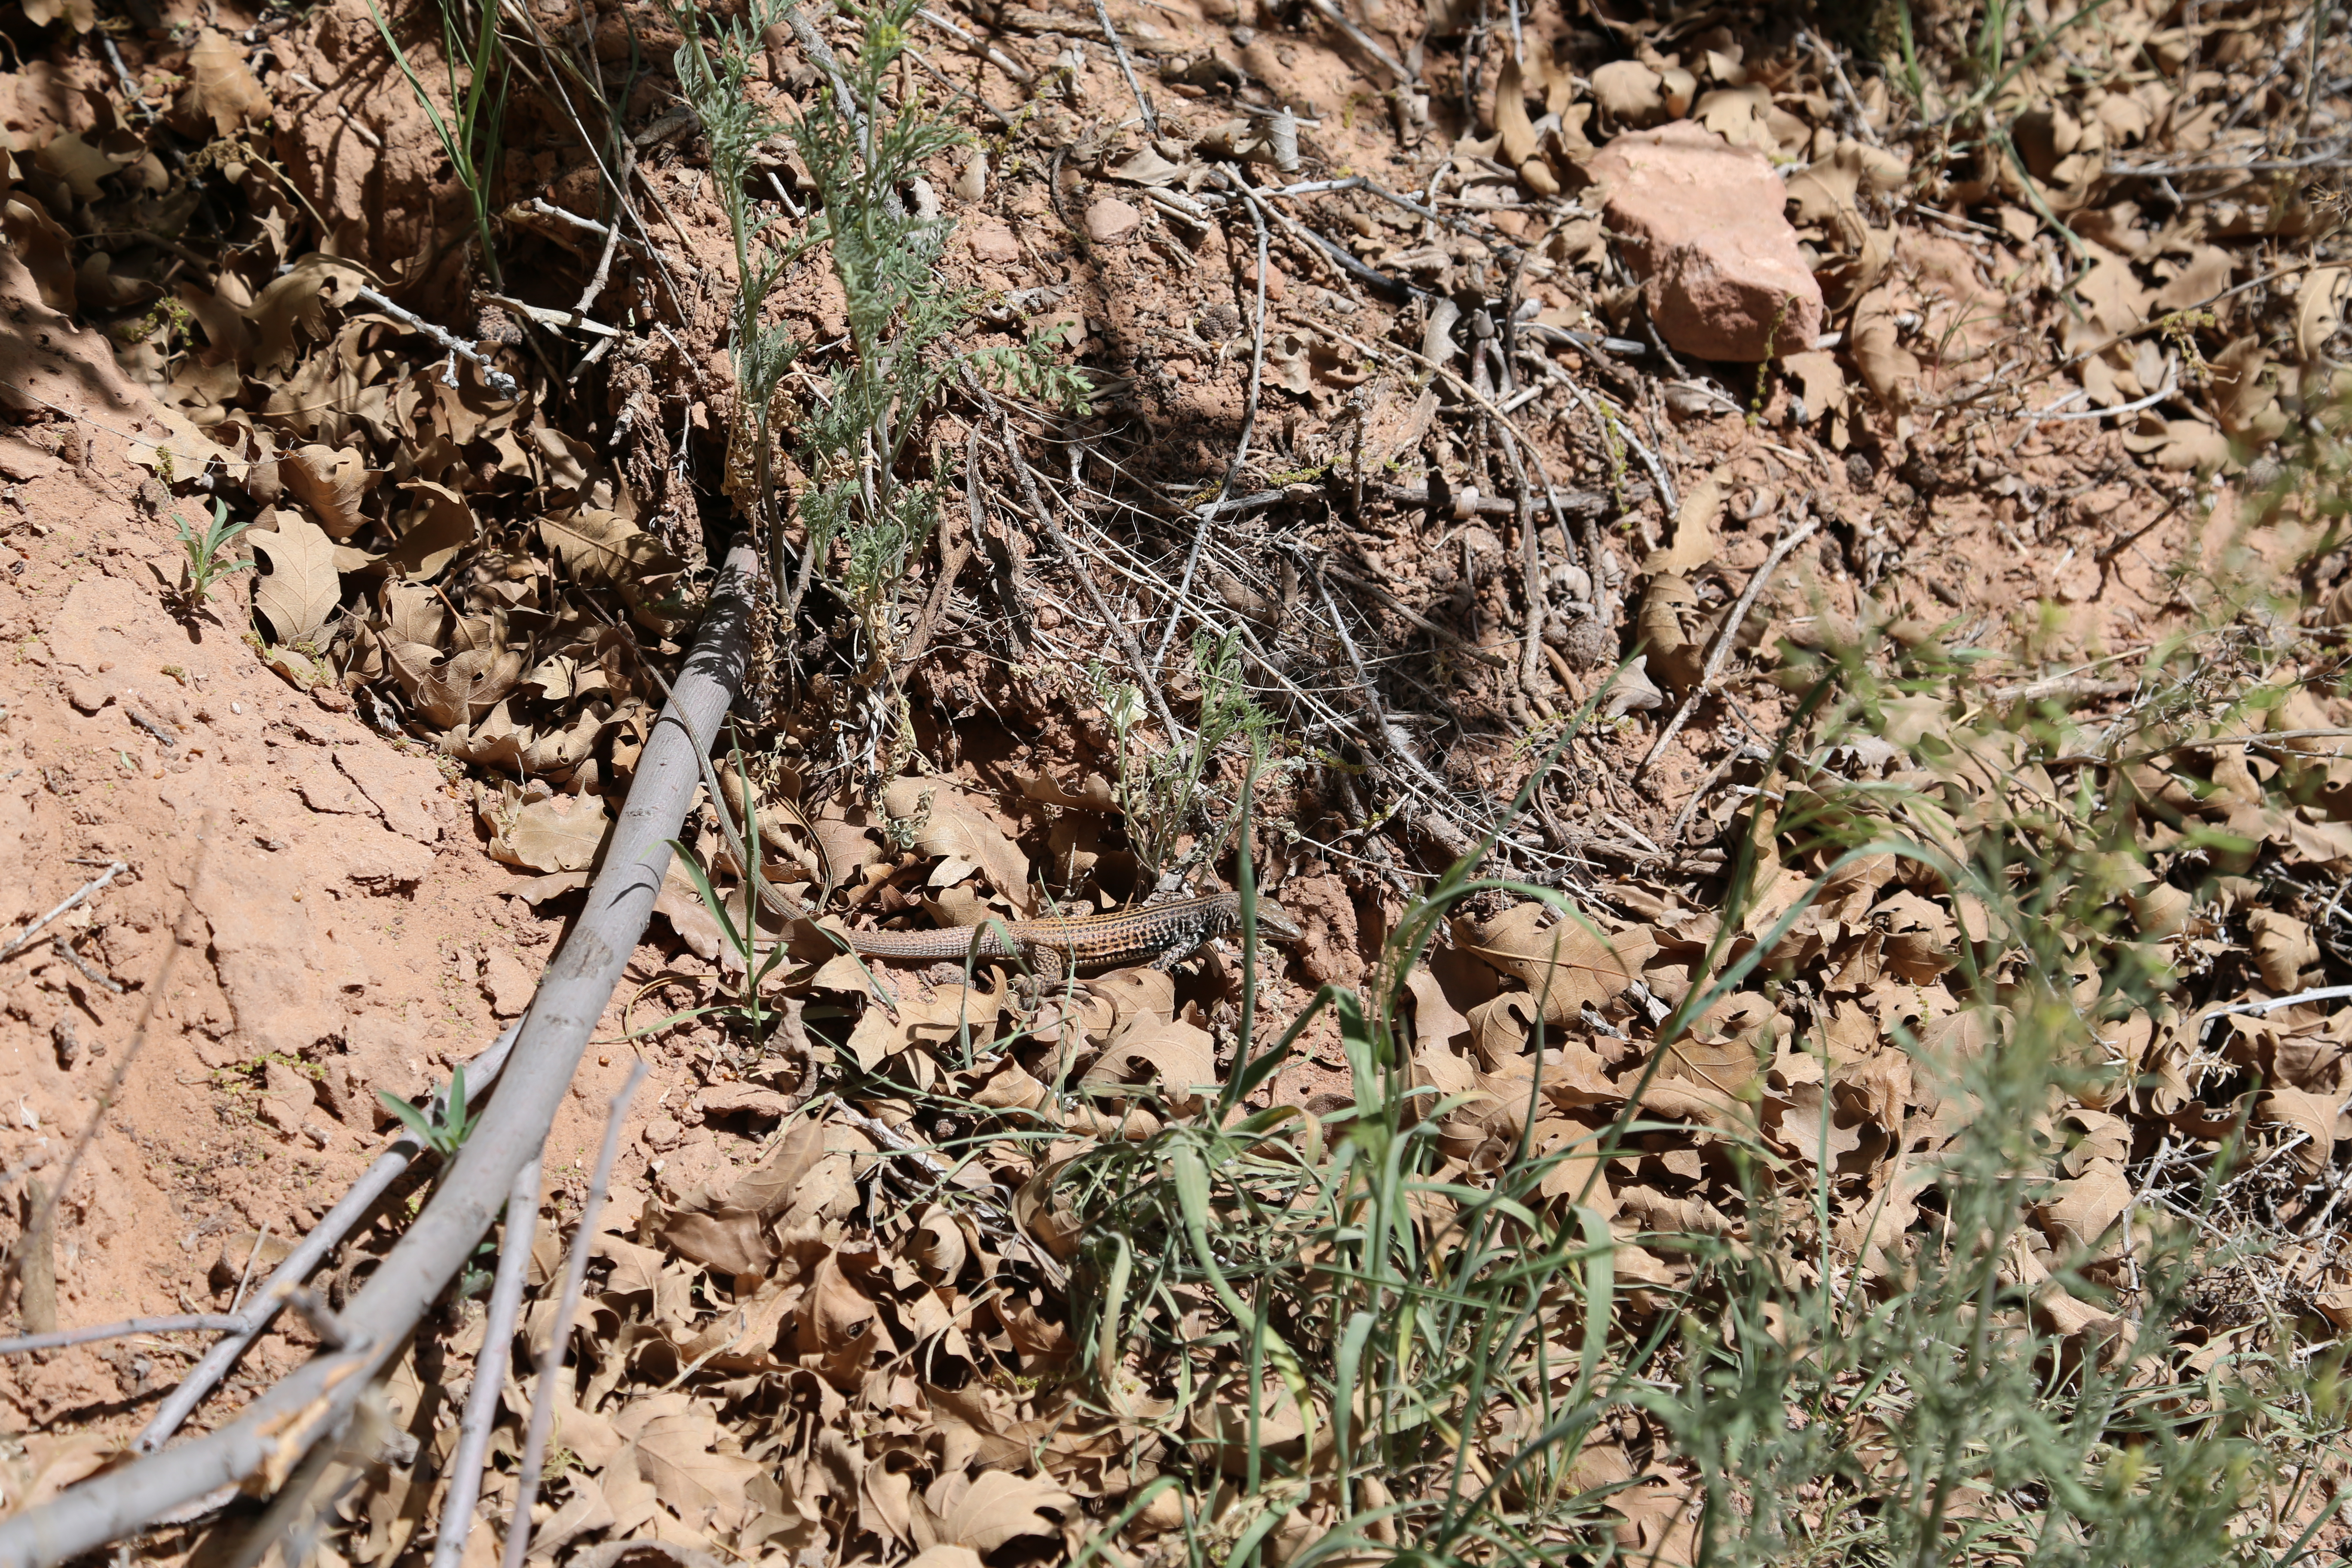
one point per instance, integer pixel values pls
(1110, 220)
(992, 242)
(334, 699)
(1706, 234)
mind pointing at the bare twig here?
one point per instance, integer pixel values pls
(1249, 424)
(1727, 637)
(268, 1440)
(489, 1368)
(57, 945)
(1530, 577)
(558, 1333)
(1127, 69)
(16, 943)
(1392, 738)
(1044, 518)
(37, 1223)
(1576, 504)
(252, 1257)
(500, 384)
(1364, 41)
(989, 51)
(189, 1322)
(2107, 552)
(2171, 384)
(612, 238)
(1461, 643)
(1666, 496)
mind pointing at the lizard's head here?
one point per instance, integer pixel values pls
(1274, 921)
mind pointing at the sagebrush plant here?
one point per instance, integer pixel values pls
(1313, 1317)
(1162, 792)
(863, 433)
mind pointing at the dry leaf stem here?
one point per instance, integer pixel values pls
(1727, 637)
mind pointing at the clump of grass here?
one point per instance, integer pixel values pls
(207, 562)
(475, 55)
(1319, 1319)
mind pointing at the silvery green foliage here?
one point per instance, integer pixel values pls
(866, 426)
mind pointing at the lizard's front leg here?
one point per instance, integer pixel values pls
(1046, 971)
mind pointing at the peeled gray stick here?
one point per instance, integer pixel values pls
(264, 1445)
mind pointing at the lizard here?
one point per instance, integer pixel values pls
(1161, 934)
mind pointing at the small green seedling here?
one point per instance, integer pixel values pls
(443, 1126)
(205, 564)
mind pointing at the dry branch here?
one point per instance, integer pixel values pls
(558, 1333)
(265, 1446)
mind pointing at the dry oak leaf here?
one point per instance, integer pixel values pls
(602, 550)
(2079, 1214)
(2319, 1117)
(674, 1436)
(726, 1240)
(328, 480)
(931, 1022)
(768, 1187)
(1001, 1506)
(78, 162)
(51, 1464)
(545, 835)
(2283, 948)
(1094, 791)
(294, 308)
(80, 14)
(1511, 115)
(2319, 308)
(1670, 610)
(947, 1557)
(1570, 966)
(1435, 1021)
(223, 87)
(303, 587)
(1180, 1057)
(840, 1325)
(1696, 540)
(432, 531)
(1629, 91)
(964, 835)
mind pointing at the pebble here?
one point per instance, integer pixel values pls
(1110, 220)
